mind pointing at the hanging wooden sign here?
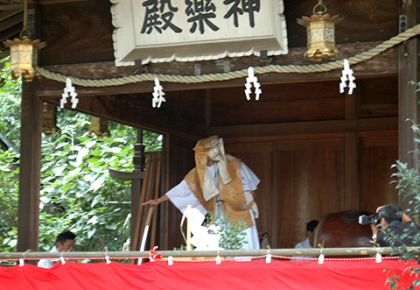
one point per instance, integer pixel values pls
(193, 30)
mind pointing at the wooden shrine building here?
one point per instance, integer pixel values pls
(316, 150)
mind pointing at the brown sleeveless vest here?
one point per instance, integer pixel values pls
(231, 194)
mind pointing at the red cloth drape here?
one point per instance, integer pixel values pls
(363, 274)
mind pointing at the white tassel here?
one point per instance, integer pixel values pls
(378, 258)
(218, 260)
(268, 258)
(321, 259)
(170, 261)
(21, 262)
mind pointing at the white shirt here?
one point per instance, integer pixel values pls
(47, 263)
(306, 244)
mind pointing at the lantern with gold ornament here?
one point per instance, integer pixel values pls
(23, 57)
(99, 126)
(320, 29)
(49, 119)
(24, 52)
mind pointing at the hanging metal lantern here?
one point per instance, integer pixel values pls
(24, 57)
(99, 126)
(320, 29)
(24, 52)
(49, 119)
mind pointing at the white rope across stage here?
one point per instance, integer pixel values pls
(236, 74)
(209, 255)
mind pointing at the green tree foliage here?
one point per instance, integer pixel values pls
(77, 192)
(232, 235)
(10, 92)
(8, 198)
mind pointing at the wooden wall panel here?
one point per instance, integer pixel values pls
(258, 157)
(273, 112)
(300, 181)
(310, 185)
(284, 92)
(278, 103)
(380, 97)
(377, 156)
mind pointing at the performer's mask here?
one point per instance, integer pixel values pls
(217, 152)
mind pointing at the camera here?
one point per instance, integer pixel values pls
(369, 219)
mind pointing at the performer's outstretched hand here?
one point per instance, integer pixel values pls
(151, 202)
(156, 201)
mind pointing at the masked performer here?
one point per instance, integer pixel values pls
(221, 184)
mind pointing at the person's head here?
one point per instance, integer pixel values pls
(65, 241)
(310, 230)
(207, 151)
(390, 213)
(311, 226)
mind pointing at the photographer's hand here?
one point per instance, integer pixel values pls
(375, 231)
(379, 208)
(406, 218)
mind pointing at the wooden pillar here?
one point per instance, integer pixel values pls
(138, 161)
(30, 169)
(408, 102)
(164, 207)
(350, 200)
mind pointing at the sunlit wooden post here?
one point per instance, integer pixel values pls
(30, 169)
(408, 103)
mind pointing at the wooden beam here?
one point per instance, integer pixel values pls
(45, 2)
(30, 168)
(9, 33)
(10, 22)
(19, 3)
(302, 129)
(408, 65)
(9, 13)
(384, 64)
(125, 175)
(136, 110)
(6, 7)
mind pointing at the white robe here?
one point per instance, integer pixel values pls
(181, 196)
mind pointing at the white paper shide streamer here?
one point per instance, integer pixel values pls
(158, 94)
(347, 76)
(252, 80)
(69, 91)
